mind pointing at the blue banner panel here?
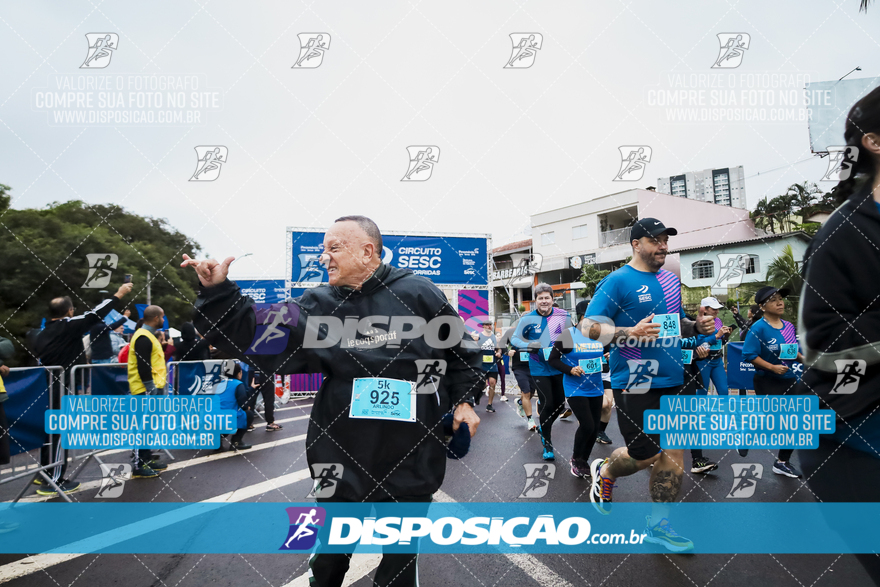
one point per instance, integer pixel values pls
(263, 291)
(739, 373)
(446, 528)
(110, 380)
(28, 393)
(442, 259)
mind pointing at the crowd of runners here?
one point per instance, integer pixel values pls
(605, 360)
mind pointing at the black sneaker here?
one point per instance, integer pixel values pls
(65, 485)
(786, 468)
(743, 452)
(157, 465)
(703, 465)
(580, 468)
(489, 408)
(144, 472)
(602, 438)
(241, 445)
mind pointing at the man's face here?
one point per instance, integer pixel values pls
(544, 302)
(707, 311)
(158, 321)
(347, 254)
(487, 328)
(652, 250)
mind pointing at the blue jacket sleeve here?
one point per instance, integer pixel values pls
(518, 339)
(751, 346)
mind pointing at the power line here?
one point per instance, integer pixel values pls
(810, 158)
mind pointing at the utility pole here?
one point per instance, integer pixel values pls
(149, 301)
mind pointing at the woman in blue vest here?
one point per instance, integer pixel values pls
(232, 394)
(772, 347)
(579, 359)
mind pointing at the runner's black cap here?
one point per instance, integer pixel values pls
(765, 293)
(649, 227)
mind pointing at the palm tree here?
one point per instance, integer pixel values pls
(760, 217)
(784, 271)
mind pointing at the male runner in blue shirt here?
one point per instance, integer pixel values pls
(644, 303)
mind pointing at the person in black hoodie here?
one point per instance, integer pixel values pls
(392, 459)
(191, 347)
(60, 344)
(100, 342)
(840, 324)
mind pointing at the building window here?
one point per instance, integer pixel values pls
(578, 232)
(548, 238)
(753, 266)
(703, 270)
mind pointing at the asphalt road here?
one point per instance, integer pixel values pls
(493, 472)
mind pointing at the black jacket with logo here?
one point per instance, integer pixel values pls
(60, 343)
(840, 305)
(382, 459)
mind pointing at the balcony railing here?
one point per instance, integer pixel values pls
(610, 238)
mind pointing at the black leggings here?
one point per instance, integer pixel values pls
(765, 385)
(587, 410)
(551, 402)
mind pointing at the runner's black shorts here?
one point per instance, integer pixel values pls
(523, 379)
(630, 415)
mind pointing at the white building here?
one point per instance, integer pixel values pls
(597, 232)
(725, 186)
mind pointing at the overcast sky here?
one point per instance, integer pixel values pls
(308, 145)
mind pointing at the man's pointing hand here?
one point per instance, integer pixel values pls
(210, 271)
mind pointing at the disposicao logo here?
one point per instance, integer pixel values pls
(304, 525)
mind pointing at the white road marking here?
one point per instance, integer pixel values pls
(172, 466)
(38, 562)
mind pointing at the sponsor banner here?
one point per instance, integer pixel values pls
(530, 526)
(743, 421)
(263, 291)
(448, 260)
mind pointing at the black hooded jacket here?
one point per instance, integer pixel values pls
(840, 305)
(189, 347)
(382, 459)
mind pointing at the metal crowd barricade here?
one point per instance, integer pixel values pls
(55, 377)
(82, 371)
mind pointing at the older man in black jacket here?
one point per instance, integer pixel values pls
(369, 416)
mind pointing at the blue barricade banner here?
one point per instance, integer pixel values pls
(434, 528)
(198, 377)
(109, 380)
(28, 401)
(740, 374)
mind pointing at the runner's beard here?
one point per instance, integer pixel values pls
(651, 260)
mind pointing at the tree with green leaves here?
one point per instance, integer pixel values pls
(590, 277)
(784, 271)
(44, 256)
